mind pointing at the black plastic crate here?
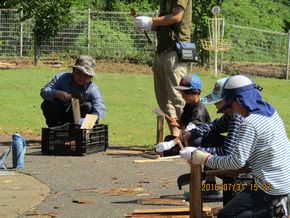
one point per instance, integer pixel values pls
(69, 139)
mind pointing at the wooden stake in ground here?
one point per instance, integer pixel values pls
(161, 113)
(195, 203)
(160, 129)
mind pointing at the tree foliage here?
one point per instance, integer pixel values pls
(262, 14)
(49, 17)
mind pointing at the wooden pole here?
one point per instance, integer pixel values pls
(195, 203)
(160, 129)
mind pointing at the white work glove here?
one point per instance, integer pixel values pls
(164, 146)
(196, 155)
(187, 152)
(143, 23)
(81, 121)
(200, 156)
(190, 126)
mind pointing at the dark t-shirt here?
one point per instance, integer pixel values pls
(166, 34)
(196, 114)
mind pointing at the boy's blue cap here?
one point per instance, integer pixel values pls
(188, 82)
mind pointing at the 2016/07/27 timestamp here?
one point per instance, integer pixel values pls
(233, 187)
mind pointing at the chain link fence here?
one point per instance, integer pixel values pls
(111, 35)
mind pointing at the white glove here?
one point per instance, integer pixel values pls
(164, 146)
(81, 121)
(200, 156)
(187, 152)
(190, 126)
(143, 23)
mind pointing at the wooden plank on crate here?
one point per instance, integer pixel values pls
(76, 110)
(89, 121)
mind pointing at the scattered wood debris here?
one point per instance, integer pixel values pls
(87, 190)
(82, 201)
(42, 215)
(124, 191)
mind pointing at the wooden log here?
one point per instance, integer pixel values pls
(152, 160)
(124, 152)
(195, 203)
(163, 210)
(162, 201)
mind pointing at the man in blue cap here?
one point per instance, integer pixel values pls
(262, 143)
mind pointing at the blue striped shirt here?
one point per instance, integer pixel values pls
(226, 123)
(64, 82)
(262, 143)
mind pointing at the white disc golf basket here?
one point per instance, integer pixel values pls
(216, 41)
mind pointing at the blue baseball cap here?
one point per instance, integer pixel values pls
(189, 82)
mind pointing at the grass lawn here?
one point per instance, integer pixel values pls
(129, 99)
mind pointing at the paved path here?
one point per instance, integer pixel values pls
(20, 193)
(84, 186)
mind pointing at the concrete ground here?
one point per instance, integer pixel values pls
(95, 185)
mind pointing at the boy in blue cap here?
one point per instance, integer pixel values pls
(194, 112)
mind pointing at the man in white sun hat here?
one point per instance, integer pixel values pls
(58, 92)
(262, 143)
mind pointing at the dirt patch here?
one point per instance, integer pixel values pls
(13, 64)
(111, 67)
(102, 65)
(255, 69)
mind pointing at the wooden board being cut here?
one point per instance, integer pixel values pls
(89, 121)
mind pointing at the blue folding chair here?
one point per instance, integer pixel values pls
(3, 158)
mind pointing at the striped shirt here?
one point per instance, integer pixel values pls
(226, 123)
(262, 143)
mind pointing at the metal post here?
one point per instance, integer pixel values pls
(288, 56)
(89, 30)
(21, 34)
(215, 46)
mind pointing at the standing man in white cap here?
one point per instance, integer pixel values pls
(262, 143)
(58, 92)
(173, 23)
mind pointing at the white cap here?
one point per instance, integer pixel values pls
(216, 94)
